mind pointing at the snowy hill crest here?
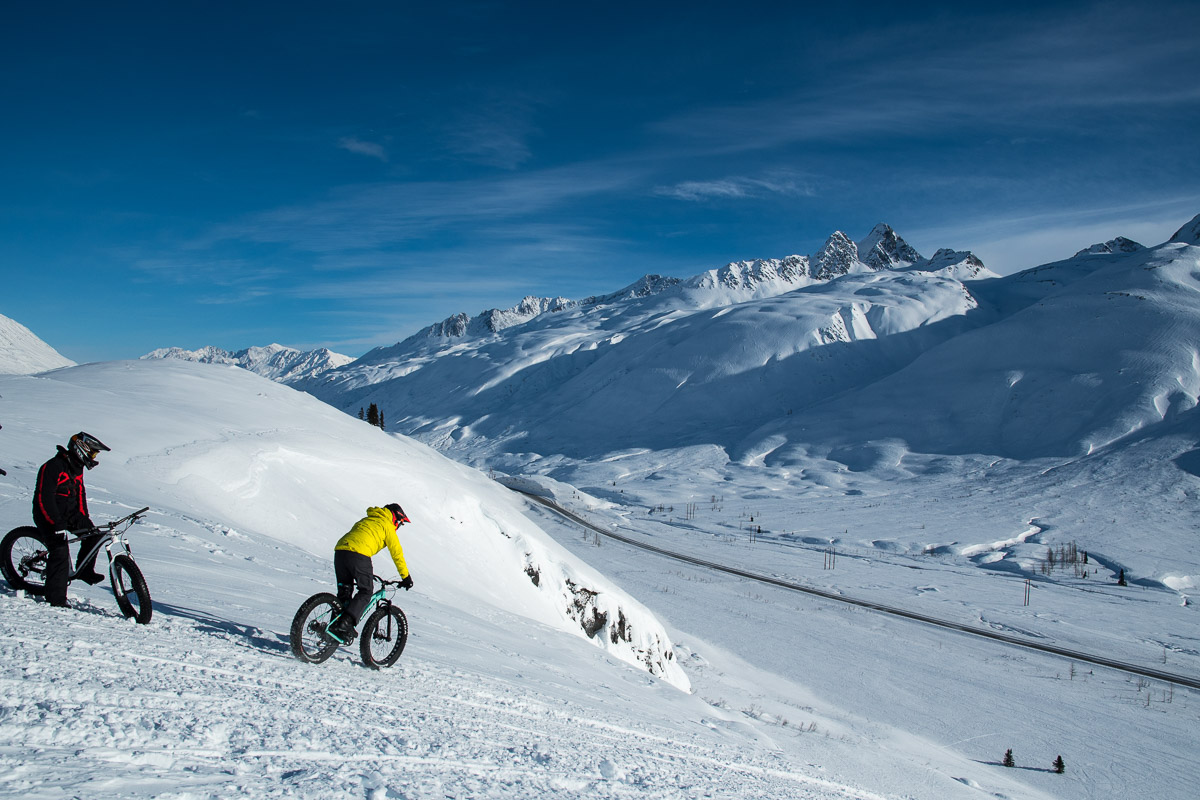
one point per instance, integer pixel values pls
(23, 353)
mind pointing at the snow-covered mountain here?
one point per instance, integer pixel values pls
(967, 361)
(279, 363)
(735, 282)
(23, 353)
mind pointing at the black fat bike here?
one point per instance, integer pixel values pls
(381, 640)
(24, 553)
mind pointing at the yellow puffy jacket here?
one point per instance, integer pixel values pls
(371, 534)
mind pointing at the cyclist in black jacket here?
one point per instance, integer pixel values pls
(60, 504)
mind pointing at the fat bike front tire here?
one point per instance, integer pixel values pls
(129, 587)
(23, 558)
(310, 643)
(383, 638)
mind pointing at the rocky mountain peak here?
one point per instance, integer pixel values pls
(1117, 245)
(837, 256)
(884, 249)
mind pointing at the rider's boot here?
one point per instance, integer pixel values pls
(86, 569)
(91, 578)
(342, 629)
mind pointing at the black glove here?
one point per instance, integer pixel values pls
(406, 584)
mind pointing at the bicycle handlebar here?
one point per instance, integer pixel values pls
(108, 526)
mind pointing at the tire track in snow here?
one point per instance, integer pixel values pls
(91, 702)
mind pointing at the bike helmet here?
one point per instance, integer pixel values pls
(397, 514)
(86, 447)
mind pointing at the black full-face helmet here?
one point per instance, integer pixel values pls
(86, 447)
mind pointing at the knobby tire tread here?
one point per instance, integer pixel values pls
(376, 650)
(9, 565)
(126, 579)
(310, 616)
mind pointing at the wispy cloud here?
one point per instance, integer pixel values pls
(495, 131)
(737, 188)
(371, 216)
(363, 147)
(1024, 71)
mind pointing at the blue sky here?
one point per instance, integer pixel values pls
(343, 174)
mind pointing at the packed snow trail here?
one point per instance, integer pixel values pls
(195, 706)
(1101, 661)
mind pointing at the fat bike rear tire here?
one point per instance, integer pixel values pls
(310, 643)
(383, 638)
(129, 587)
(23, 558)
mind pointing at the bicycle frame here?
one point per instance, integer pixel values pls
(111, 535)
(381, 596)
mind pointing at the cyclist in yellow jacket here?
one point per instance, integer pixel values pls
(352, 564)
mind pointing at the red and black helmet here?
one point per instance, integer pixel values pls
(398, 515)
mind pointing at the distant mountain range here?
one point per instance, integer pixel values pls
(279, 363)
(857, 344)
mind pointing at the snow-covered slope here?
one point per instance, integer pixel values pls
(1078, 354)
(279, 363)
(499, 694)
(221, 444)
(23, 353)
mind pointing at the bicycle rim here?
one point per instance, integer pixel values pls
(383, 637)
(308, 638)
(24, 560)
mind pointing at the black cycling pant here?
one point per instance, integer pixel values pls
(58, 562)
(353, 570)
(58, 565)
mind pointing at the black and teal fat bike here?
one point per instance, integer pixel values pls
(380, 642)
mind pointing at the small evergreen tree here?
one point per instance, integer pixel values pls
(382, 427)
(1009, 761)
(1121, 578)
(373, 414)
(1059, 766)
(360, 413)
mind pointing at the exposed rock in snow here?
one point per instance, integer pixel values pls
(1117, 245)
(23, 353)
(645, 286)
(884, 249)
(838, 256)
(491, 321)
(784, 273)
(1190, 233)
(963, 266)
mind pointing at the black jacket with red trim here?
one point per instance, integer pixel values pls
(60, 501)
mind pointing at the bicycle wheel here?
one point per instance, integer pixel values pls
(129, 587)
(383, 638)
(309, 641)
(23, 556)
